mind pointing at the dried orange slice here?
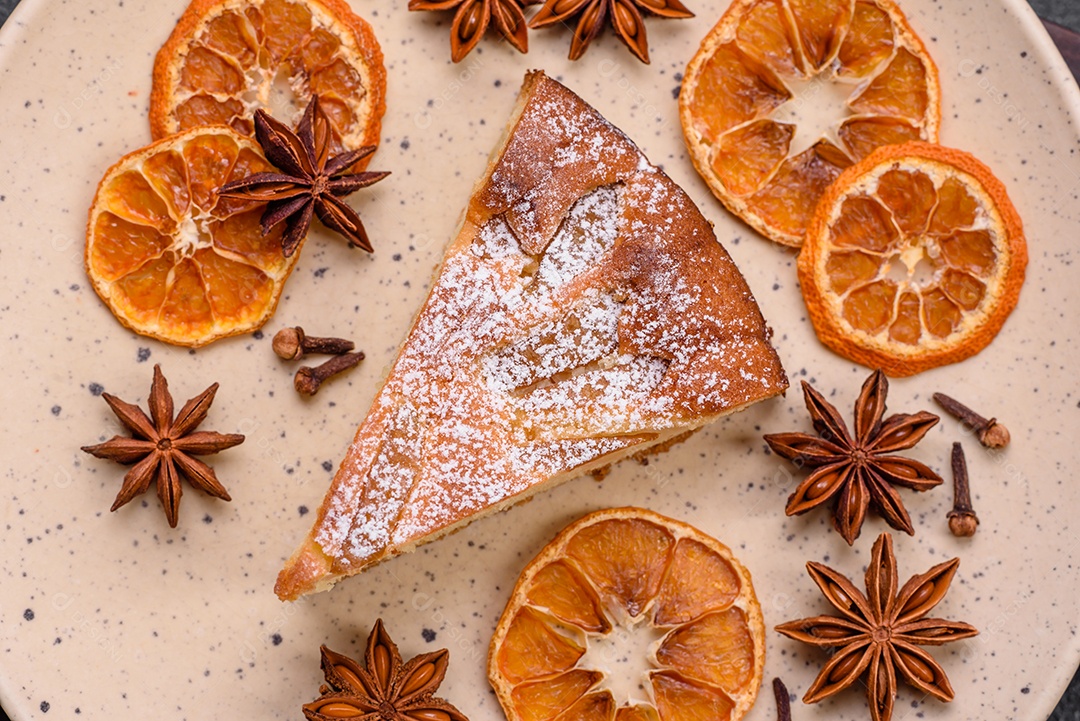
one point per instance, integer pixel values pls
(914, 259)
(227, 58)
(172, 261)
(629, 615)
(783, 95)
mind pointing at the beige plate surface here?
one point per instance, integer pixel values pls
(117, 616)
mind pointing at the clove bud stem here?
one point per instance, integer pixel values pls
(308, 379)
(989, 432)
(783, 701)
(294, 344)
(962, 518)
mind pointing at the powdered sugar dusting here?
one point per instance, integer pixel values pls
(586, 334)
(586, 309)
(496, 242)
(562, 455)
(394, 467)
(600, 400)
(587, 233)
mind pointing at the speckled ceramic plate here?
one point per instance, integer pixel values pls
(114, 615)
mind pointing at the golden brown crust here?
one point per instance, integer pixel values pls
(309, 564)
(643, 457)
(498, 391)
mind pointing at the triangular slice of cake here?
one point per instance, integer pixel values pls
(585, 312)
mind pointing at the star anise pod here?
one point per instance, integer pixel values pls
(384, 689)
(855, 470)
(625, 15)
(310, 181)
(878, 635)
(474, 17)
(163, 447)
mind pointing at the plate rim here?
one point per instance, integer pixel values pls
(22, 20)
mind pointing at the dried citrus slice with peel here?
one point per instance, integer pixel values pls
(629, 586)
(783, 95)
(914, 259)
(172, 261)
(227, 58)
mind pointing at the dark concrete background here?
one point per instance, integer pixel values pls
(1062, 12)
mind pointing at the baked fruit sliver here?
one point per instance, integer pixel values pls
(914, 259)
(618, 571)
(169, 258)
(744, 81)
(227, 58)
(584, 312)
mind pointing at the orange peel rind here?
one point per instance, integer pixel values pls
(914, 258)
(168, 257)
(227, 58)
(743, 117)
(607, 574)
